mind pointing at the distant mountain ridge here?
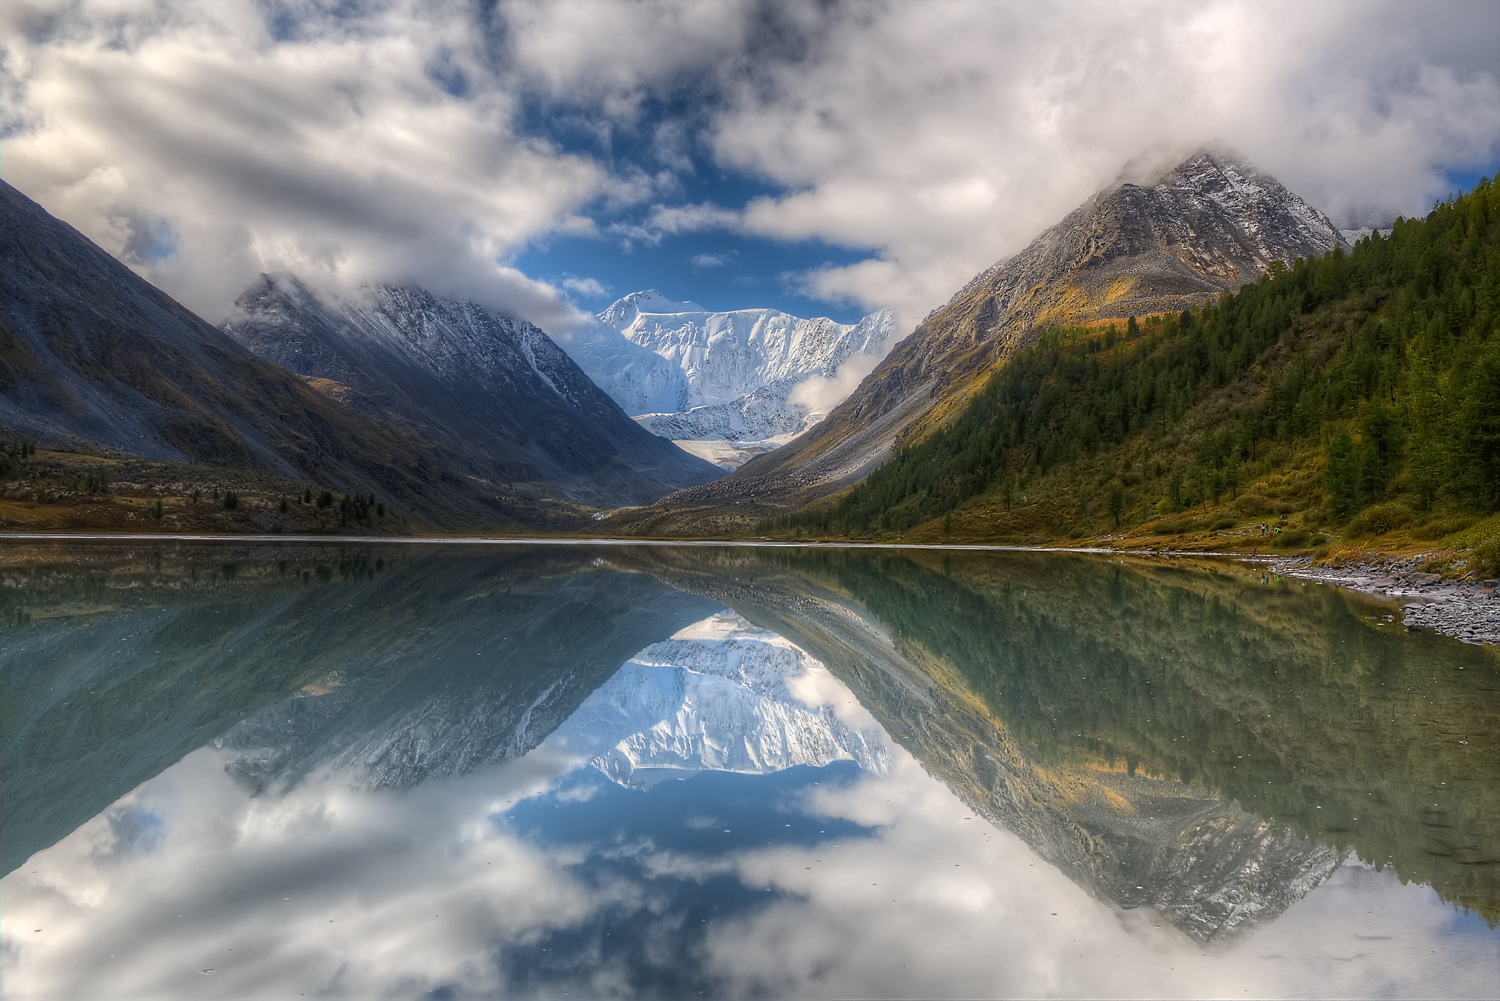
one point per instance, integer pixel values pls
(691, 374)
(728, 355)
(1160, 238)
(499, 398)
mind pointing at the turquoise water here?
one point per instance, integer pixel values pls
(437, 771)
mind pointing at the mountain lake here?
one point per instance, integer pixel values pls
(400, 769)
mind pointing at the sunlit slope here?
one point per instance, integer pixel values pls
(1355, 393)
(1163, 237)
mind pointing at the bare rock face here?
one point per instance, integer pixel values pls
(1212, 223)
(1161, 237)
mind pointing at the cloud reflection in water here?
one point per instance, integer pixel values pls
(539, 875)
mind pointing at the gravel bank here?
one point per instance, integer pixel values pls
(1466, 610)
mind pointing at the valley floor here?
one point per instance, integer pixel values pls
(74, 492)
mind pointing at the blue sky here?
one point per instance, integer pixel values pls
(719, 269)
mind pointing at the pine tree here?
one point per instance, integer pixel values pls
(1341, 478)
(1427, 441)
(1114, 503)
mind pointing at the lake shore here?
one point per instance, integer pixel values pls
(1467, 610)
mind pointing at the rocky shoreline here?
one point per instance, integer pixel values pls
(1467, 610)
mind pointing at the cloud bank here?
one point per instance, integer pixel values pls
(205, 143)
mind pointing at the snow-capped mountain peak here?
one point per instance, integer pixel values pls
(697, 376)
(720, 695)
(623, 312)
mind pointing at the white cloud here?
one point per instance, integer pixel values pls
(315, 892)
(673, 220)
(337, 155)
(937, 905)
(676, 219)
(946, 136)
(821, 393)
(584, 286)
(611, 56)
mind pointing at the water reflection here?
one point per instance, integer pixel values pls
(404, 772)
(1300, 704)
(720, 696)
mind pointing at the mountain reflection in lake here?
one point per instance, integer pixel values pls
(439, 771)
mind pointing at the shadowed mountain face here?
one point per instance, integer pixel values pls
(501, 401)
(114, 667)
(90, 351)
(1158, 239)
(1205, 744)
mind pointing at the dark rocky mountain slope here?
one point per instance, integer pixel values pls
(500, 399)
(91, 352)
(1161, 238)
(95, 358)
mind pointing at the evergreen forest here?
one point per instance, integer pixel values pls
(1353, 395)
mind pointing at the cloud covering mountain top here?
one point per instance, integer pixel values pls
(907, 145)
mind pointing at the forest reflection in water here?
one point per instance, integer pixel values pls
(1191, 740)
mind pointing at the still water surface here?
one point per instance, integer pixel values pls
(395, 771)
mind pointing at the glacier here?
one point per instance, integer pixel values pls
(721, 385)
(720, 695)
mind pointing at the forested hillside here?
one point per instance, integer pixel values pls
(1356, 394)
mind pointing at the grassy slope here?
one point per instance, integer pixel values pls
(1352, 401)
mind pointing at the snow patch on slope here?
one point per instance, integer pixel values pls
(720, 695)
(638, 379)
